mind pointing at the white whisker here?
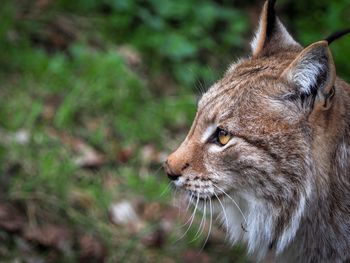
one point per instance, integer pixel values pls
(225, 215)
(158, 170)
(201, 225)
(239, 209)
(192, 218)
(210, 224)
(175, 199)
(188, 206)
(189, 202)
(166, 189)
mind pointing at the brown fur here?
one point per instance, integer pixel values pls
(288, 162)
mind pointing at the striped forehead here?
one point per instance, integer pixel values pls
(237, 79)
(221, 98)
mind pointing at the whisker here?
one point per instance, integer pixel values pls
(175, 199)
(201, 225)
(189, 202)
(225, 215)
(166, 189)
(158, 169)
(192, 218)
(210, 225)
(205, 218)
(239, 209)
(185, 224)
(188, 220)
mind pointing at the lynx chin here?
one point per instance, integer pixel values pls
(269, 150)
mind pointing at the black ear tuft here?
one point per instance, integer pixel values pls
(337, 35)
(271, 18)
(271, 36)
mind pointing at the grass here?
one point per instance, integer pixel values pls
(61, 100)
(91, 96)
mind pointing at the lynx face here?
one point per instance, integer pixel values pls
(250, 153)
(238, 139)
(237, 146)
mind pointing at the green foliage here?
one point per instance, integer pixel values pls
(325, 18)
(180, 37)
(93, 95)
(87, 86)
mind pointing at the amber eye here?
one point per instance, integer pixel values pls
(223, 137)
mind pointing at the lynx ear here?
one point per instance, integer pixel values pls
(313, 74)
(271, 35)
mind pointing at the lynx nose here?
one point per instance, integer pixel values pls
(170, 173)
(178, 162)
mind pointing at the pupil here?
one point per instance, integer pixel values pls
(222, 133)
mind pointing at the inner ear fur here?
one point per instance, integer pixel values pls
(271, 36)
(313, 74)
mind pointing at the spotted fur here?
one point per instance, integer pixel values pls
(287, 165)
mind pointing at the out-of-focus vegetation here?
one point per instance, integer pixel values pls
(93, 95)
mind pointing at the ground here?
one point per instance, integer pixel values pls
(93, 97)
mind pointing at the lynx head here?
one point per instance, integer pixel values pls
(250, 152)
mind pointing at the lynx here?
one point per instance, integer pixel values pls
(269, 150)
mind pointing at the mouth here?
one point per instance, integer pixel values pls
(194, 195)
(202, 190)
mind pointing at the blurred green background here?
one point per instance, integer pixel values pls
(93, 96)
